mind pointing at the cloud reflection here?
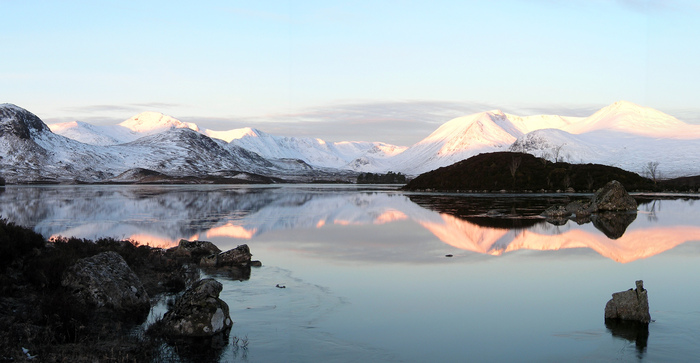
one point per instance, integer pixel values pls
(161, 216)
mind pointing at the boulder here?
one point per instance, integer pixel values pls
(239, 256)
(613, 197)
(632, 305)
(556, 211)
(613, 224)
(198, 314)
(105, 282)
(580, 208)
(195, 249)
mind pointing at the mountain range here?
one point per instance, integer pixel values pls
(623, 134)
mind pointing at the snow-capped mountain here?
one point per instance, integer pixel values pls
(281, 150)
(32, 153)
(622, 134)
(143, 124)
(466, 136)
(313, 151)
(627, 117)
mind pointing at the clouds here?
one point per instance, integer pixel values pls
(400, 123)
(397, 122)
(130, 108)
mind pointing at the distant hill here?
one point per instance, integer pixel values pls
(512, 171)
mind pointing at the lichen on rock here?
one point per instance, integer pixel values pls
(105, 282)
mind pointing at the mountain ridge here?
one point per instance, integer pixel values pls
(622, 134)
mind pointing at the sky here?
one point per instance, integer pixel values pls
(390, 71)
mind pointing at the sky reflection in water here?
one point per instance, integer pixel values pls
(368, 278)
(162, 215)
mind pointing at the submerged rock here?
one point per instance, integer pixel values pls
(632, 305)
(105, 282)
(198, 314)
(613, 197)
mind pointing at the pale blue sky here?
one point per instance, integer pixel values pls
(358, 70)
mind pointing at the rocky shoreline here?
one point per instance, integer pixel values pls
(79, 300)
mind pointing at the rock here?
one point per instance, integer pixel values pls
(632, 304)
(199, 313)
(195, 249)
(613, 197)
(239, 256)
(556, 215)
(613, 224)
(255, 263)
(579, 208)
(105, 282)
(557, 211)
(208, 261)
(236, 257)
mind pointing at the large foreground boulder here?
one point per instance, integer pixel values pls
(614, 198)
(632, 305)
(105, 283)
(198, 315)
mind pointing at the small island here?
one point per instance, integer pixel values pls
(521, 172)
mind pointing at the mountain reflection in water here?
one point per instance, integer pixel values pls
(493, 225)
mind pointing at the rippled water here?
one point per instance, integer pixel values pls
(367, 277)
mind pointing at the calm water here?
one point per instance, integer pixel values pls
(368, 279)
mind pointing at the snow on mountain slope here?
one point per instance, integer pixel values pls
(313, 151)
(93, 134)
(32, 153)
(558, 145)
(457, 140)
(630, 118)
(143, 124)
(622, 134)
(155, 122)
(284, 152)
(538, 122)
(676, 157)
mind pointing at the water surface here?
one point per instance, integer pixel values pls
(367, 277)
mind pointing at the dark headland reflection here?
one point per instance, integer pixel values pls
(493, 225)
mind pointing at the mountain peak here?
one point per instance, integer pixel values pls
(147, 122)
(629, 117)
(20, 122)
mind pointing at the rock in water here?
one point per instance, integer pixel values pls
(198, 314)
(613, 197)
(106, 283)
(632, 304)
(239, 256)
(195, 249)
(613, 224)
